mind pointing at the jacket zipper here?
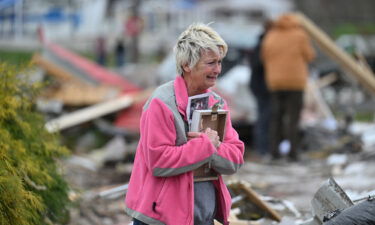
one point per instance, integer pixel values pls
(191, 208)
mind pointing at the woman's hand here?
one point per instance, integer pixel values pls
(213, 136)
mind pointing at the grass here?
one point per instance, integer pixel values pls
(359, 116)
(364, 116)
(349, 28)
(16, 57)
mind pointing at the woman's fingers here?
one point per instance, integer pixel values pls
(212, 135)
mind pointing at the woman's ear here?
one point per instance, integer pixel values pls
(186, 68)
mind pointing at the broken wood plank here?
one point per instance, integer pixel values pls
(254, 198)
(327, 80)
(75, 93)
(89, 113)
(52, 68)
(114, 192)
(70, 89)
(365, 76)
(313, 92)
(362, 60)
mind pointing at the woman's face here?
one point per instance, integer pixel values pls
(205, 73)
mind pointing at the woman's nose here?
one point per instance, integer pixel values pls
(217, 68)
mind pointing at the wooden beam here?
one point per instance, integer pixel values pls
(89, 113)
(365, 76)
(315, 96)
(253, 197)
(52, 68)
(72, 90)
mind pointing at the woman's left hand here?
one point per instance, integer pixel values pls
(213, 136)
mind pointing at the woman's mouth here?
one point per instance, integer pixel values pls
(212, 77)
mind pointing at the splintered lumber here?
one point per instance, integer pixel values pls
(253, 197)
(362, 73)
(89, 113)
(114, 192)
(361, 59)
(76, 93)
(327, 80)
(313, 92)
(52, 68)
(70, 89)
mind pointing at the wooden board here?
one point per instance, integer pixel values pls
(253, 197)
(360, 72)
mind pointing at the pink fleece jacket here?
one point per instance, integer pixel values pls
(161, 187)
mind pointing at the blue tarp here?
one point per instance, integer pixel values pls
(54, 15)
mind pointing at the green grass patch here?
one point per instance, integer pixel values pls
(348, 28)
(15, 57)
(359, 116)
(364, 116)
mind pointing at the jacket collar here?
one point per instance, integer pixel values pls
(181, 93)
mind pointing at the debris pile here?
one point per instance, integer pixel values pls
(98, 111)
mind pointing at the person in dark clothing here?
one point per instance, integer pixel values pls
(120, 53)
(286, 52)
(101, 51)
(261, 93)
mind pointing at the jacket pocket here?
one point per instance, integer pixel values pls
(160, 195)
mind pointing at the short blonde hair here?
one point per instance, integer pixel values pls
(192, 41)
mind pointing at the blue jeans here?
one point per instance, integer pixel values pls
(137, 222)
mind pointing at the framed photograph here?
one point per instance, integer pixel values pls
(196, 102)
(216, 120)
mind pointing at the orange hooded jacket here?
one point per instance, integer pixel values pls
(286, 52)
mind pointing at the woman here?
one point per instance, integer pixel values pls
(162, 189)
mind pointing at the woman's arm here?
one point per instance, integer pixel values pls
(229, 156)
(158, 137)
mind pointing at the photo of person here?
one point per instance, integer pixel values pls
(196, 102)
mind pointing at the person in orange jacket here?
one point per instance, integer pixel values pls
(286, 53)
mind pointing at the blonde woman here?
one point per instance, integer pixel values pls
(162, 187)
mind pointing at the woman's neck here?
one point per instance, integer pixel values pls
(191, 89)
